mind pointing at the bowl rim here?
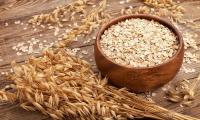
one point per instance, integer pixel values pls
(142, 16)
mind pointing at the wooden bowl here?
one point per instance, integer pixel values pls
(139, 79)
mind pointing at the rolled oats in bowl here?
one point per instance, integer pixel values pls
(139, 42)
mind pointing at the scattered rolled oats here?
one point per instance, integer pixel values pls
(21, 23)
(188, 70)
(17, 22)
(19, 53)
(139, 43)
(57, 29)
(189, 40)
(121, 2)
(127, 1)
(164, 89)
(87, 41)
(84, 52)
(190, 57)
(153, 94)
(31, 46)
(72, 52)
(50, 27)
(2, 73)
(6, 24)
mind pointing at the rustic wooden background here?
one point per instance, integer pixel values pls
(13, 10)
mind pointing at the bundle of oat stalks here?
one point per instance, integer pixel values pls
(88, 20)
(93, 20)
(60, 85)
(61, 14)
(162, 8)
(184, 92)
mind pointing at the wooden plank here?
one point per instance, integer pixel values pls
(13, 112)
(22, 10)
(14, 9)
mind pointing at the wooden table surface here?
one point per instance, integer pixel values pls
(14, 10)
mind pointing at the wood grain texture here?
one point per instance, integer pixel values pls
(13, 10)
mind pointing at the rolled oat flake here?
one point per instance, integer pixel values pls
(139, 43)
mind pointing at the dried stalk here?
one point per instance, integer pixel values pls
(61, 14)
(172, 10)
(59, 85)
(163, 8)
(167, 4)
(184, 92)
(92, 20)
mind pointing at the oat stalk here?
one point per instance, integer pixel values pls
(162, 8)
(184, 92)
(61, 14)
(95, 18)
(59, 85)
